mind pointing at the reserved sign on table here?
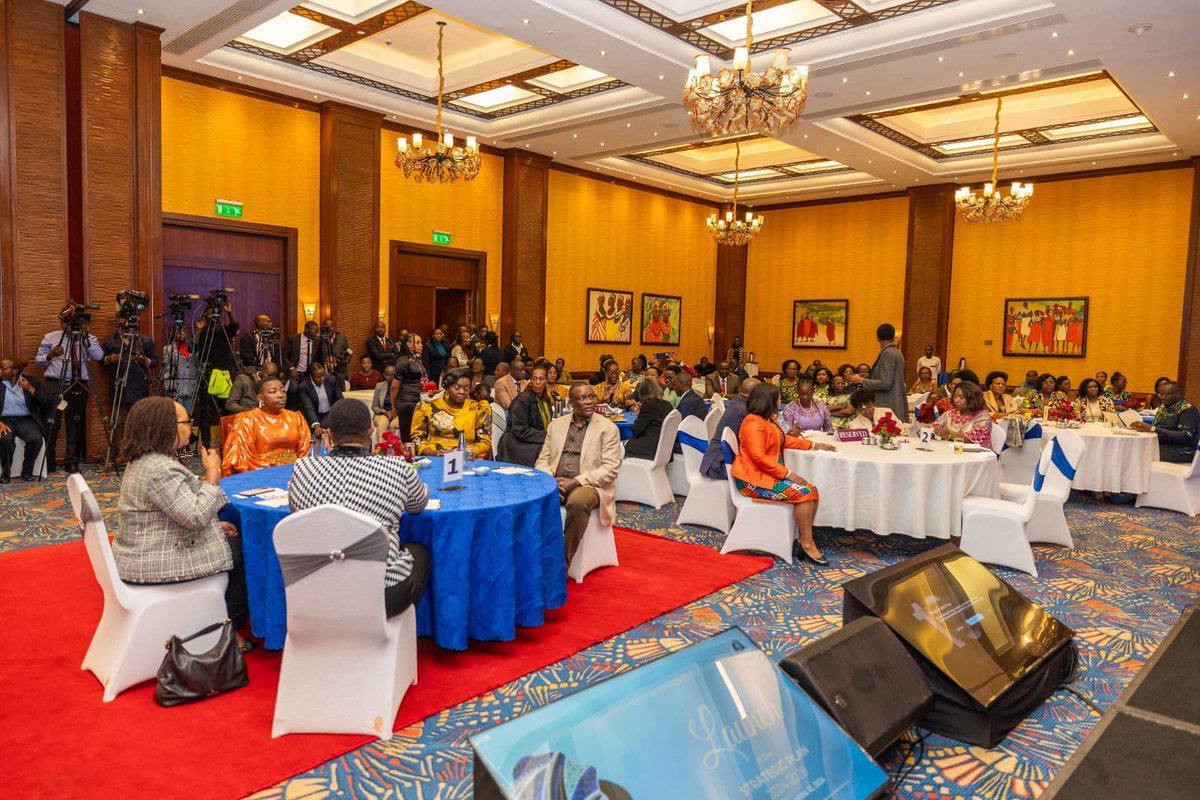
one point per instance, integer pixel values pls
(852, 434)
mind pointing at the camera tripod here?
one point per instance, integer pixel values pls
(73, 343)
(131, 348)
(204, 347)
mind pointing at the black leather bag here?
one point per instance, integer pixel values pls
(186, 677)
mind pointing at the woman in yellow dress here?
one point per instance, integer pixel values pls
(436, 423)
(267, 435)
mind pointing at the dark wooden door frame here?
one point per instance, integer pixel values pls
(291, 255)
(396, 248)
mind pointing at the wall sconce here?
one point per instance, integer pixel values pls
(711, 330)
(310, 311)
(495, 318)
(381, 315)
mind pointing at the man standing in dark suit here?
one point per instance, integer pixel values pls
(381, 349)
(21, 415)
(318, 393)
(887, 375)
(712, 465)
(304, 350)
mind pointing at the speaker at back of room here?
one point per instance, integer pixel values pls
(864, 677)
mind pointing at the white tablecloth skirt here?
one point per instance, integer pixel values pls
(1112, 462)
(896, 491)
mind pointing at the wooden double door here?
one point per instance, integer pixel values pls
(432, 285)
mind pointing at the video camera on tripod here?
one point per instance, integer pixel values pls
(77, 315)
(179, 306)
(214, 304)
(130, 305)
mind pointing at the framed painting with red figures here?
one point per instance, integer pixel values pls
(820, 323)
(609, 316)
(1046, 326)
(661, 314)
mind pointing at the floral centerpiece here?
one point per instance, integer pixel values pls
(886, 429)
(1061, 411)
(389, 444)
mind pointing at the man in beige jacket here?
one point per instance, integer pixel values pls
(583, 453)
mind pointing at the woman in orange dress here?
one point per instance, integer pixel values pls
(265, 436)
(759, 471)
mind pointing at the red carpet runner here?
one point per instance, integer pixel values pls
(60, 740)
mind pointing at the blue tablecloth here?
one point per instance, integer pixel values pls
(625, 425)
(496, 549)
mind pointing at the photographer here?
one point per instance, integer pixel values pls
(261, 344)
(67, 372)
(337, 349)
(215, 341)
(179, 366)
(132, 362)
(21, 416)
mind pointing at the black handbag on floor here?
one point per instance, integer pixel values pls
(186, 677)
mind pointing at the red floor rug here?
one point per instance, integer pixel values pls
(60, 740)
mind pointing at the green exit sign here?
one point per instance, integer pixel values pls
(441, 237)
(229, 208)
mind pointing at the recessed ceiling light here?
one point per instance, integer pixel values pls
(239, 77)
(628, 124)
(1070, 52)
(940, 59)
(870, 162)
(602, 144)
(1171, 74)
(554, 153)
(806, 136)
(574, 135)
(603, 53)
(662, 77)
(141, 11)
(960, 74)
(524, 22)
(868, 94)
(656, 133)
(361, 33)
(1093, 163)
(527, 145)
(1054, 35)
(837, 149)
(314, 97)
(845, 80)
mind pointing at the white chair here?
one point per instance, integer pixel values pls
(714, 418)
(1049, 522)
(345, 666)
(999, 437)
(1175, 487)
(644, 481)
(19, 458)
(597, 548)
(999, 531)
(499, 426)
(1017, 464)
(708, 503)
(127, 647)
(759, 525)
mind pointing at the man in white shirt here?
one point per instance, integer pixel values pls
(67, 372)
(930, 360)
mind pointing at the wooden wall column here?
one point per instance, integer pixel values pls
(350, 190)
(729, 314)
(121, 141)
(523, 279)
(33, 174)
(927, 275)
(1189, 336)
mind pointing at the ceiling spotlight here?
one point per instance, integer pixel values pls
(602, 144)
(868, 94)
(662, 77)
(361, 33)
(656, 132)
(1140, 28)
(940, 59)
(141, 11)
(603, 53)
(239, 77)
(628, 124)
(1070, 52)
(524, 22)
(1171, 74)
(845, 80)
(1054, 35)
(527, 145)
(960, 74)
(574, 135)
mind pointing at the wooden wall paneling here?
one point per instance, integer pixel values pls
(33, 174)
(927, 274)
(349, 282)
(523, 281)
(1189, 335)
(729, 313)
(147, 108)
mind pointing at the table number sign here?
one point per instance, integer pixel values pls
(453, 464)
(852, 434)
(926, 435)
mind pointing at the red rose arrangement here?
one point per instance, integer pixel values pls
(886, 427)
(1061, 411)
(1134, 403)
(389, 443)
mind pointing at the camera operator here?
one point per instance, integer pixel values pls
(68, 372)
(216, 340)
(179, 367)
(337, 350)
(21, 416)
(134, 362)
(259, 345)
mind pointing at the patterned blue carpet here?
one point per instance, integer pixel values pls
(1131, 574)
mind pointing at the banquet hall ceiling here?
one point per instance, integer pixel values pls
(901, 92)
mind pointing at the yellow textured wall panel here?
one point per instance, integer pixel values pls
(611, 237)
(1120, 241)
(843, 250)
(472, 212)
(221, 144)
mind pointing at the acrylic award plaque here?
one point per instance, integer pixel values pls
(716, 719)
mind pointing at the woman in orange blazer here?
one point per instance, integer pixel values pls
(759, 472)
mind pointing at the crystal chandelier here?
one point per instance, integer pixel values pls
(441, 161)
(740, 100)
(992, 206)
(729, 229)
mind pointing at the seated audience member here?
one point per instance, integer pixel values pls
(713, 465)
(999, 403)
(822, 381)
(1102, 379)
(268, 435)
(1063, 384)
(492, 356)
(1155, 400)
(1118, 392)
(1177, 423)
(612, 390)
(482, 393)
(637, 366)
(846, 371)
(502, 369)
(1028, 385)
(383, 404)
(721, 381)
(969, 419)
(598, 376)
(690, 403)
(582, 452)
(170, 531)
(242, 396)
(1092, 404)
(862, 401)
(759, 471)
(21, 415)
(437, 423)
(366, 377)
(705, 367)
(464, 350)
(789, 375)
(651, 411)
(841, 413)
(477, 371)
(564, 377)
(667, 377)
(1034, 402)
(509, 385)
(806, 412)
(382, 488)
(925, 382)
(528, 417)
(317, 396)
(558, 392)
(863, 370)
(453, 363)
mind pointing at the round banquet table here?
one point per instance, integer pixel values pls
(1112, 462)
(624, 424)
(907, 491)
(496, 552)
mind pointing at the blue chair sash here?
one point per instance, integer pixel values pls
(687, 440)
(1058, 458)
(727, 453)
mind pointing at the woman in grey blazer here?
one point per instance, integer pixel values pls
(170, 530)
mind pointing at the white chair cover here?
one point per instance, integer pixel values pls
(19, 458)
(644, 481)
(714, 418)
(1175, 487)
(127, 647)
(499, 426)
(709, 503)
(759, 525)
(597, 548)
